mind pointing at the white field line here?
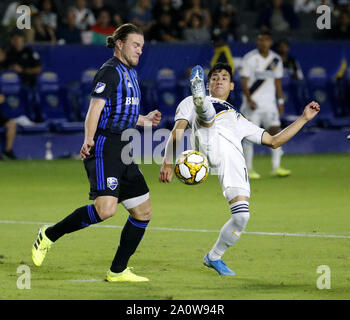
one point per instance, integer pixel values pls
(283, 234)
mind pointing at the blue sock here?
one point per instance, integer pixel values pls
(79, 219)
(130, 238)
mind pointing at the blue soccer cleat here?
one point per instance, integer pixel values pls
(218, 265)
(197, 86)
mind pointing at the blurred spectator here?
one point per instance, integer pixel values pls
(141, 15)
(196, 7)
(9, 124)
(98, 5)
(223, 32)
(23, 60)
(102, 28)
(277, 16)
(10, 17)
(307, 6)
(196, 32)
(67, 32)
(161, 7)
(117, 20)
(11, 129)
(290, 65)
(224, 7)
(40, 32)
(3, 60)
(84, 18)
(163, 30)
(48, 13)
(341, 30)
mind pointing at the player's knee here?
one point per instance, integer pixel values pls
(142, 213)
(145, 214)
(105, 210)
(11, 124)
(241, 220)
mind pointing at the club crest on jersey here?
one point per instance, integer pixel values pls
(112, 183)
(100, 87)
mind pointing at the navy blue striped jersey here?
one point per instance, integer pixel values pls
(117, 84)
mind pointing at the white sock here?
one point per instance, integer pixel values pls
(248, 150)
(207, 112)
(232, 229)
(276, 157)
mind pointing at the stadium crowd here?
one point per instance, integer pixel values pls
(89, 21)
(174, 21)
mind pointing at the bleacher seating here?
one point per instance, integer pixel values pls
(17, 102)
(54, 105)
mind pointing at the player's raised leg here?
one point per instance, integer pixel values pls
(204, 108)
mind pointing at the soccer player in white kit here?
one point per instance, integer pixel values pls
(261, 73)
(217, 131)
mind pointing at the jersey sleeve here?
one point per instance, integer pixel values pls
(279, 70)
(105, 82)
(250, 131)
(184, 110)
(245, 69)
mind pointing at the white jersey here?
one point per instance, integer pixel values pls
(261, 73)
(230, 124)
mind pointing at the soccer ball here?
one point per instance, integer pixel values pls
(191, 167)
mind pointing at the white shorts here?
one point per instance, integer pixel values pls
(232, 170)
(262, 116)
(224, 159)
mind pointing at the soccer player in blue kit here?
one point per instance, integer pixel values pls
(114, 107)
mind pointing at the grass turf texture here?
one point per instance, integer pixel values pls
(314, 200)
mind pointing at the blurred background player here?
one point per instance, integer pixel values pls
(261, 74)
(217, 131)
(114, 107)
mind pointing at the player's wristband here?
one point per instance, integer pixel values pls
(280, 101)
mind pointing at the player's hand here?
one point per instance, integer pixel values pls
(154, 116)
(252, 104)
(2, 98)
(166, 172)
(311, 110)
(86, 147)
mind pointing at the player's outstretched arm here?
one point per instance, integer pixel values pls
(310, 111)
(166, 170)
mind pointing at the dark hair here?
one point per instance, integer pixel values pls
(220, 66)
(121, 33)
(264, 33)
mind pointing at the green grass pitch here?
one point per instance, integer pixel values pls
(304, 222)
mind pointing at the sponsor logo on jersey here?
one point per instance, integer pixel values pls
(132, 100)
(100, 87)
(112, 183)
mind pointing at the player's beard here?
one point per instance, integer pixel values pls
(130, 62)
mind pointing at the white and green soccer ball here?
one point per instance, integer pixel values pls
(191, 167)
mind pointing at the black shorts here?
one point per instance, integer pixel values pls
(3, 119)
(107, 171)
